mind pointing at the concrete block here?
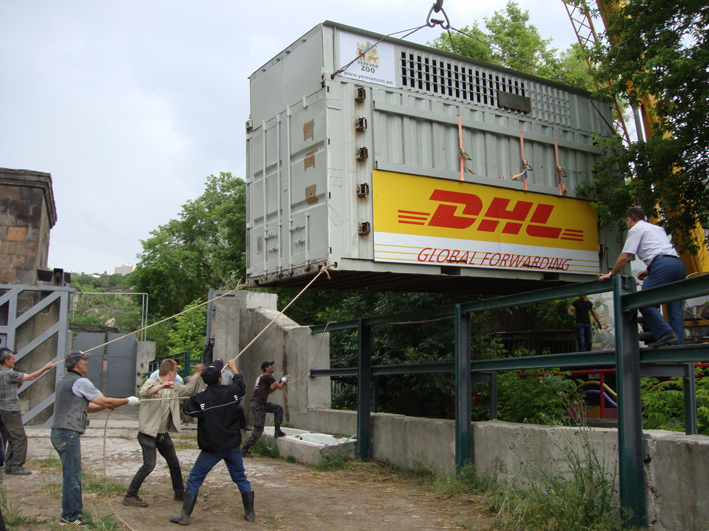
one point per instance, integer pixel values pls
(676, 470)
(7, 275)
(253, 300)
(16, 234)
(10, 192)
(226, 321)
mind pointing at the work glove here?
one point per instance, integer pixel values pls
(284, 380)
(133, 401)
(572, 318)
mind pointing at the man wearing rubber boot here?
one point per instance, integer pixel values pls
(265, 385)
(218, 436)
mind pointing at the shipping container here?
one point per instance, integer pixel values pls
(354, 146)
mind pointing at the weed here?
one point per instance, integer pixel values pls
(290, 459)
(265, 448)
(46, 463)
(331, 463)
(12, 513)
(580, 497)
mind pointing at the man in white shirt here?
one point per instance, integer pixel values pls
(651, 245)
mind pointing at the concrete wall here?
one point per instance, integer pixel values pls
(239, 318)
(145, 353)
(676, 465)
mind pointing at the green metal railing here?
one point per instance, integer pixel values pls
(631, 362)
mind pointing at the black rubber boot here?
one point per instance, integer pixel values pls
(187, 508)
(248, 498)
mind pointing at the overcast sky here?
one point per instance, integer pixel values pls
(131, 104)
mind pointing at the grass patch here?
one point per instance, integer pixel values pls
(468, 481)
(48, 463)
(93, 484)
(185, 444)
(331, 463)
(266, 448)
(13, 514)
(290, 459)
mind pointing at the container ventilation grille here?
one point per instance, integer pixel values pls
(456, 79)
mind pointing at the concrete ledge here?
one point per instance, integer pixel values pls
(311, 447)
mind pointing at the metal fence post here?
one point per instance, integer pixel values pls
(690, 401)
(364, 379)
(493, 396)
(463, 379)
(630, 433)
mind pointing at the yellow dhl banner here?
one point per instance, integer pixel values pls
(426, 220)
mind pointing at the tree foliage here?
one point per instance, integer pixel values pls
(204, 248)
(188, 332)
(97, 304)
(511, 41)
(660, 49)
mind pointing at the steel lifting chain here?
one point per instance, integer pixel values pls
(433, 22)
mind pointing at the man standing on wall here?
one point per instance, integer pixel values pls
(583, 307)
(10, 382)
(157, 419)
(74, 396)
(265, 385)
(651, 245)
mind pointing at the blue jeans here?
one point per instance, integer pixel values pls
(585, 336)
(664, 270)
(151, 445)
(206, 462)
(67, 443)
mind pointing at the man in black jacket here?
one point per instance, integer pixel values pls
(218, 436)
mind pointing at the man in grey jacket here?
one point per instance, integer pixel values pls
(74, 397)
(156, 420)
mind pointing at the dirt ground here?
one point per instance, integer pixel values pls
(287, 495)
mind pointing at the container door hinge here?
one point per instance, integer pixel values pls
(360, 94)
(363, 190)
(363, 228)
(361, 124)
(362, 153)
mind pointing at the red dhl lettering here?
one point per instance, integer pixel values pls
(499, 212)
(491, 259)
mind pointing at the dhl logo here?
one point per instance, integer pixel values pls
(460, 210)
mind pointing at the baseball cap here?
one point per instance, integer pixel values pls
(266, 364)
(74, 357)
(211, 374)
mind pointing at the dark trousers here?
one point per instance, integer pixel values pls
(16, 439)
(664, 270)
(585, 336)
(259, 410)
(67, 443)
(206, 461)
(163, 444)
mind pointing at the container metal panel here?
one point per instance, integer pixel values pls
(316, 136)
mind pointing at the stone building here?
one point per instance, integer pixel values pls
(27, 214)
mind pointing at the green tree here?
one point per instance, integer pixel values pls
(512, 42)
(204, 248)
(188, 333)
(95, 305)
(661, 49)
